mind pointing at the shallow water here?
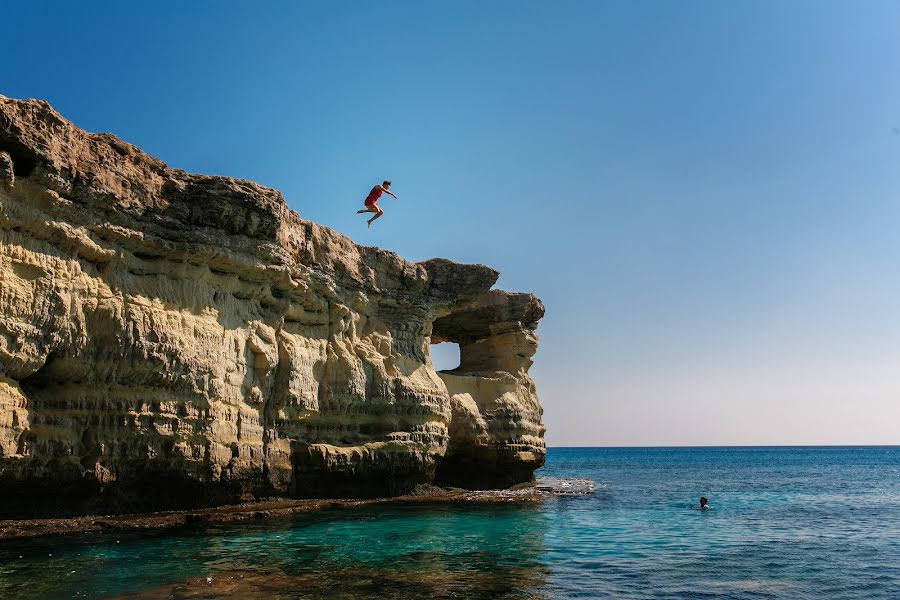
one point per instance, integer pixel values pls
(787, 523)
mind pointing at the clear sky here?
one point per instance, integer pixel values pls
(704, 194)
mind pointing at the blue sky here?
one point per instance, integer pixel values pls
(704, 194)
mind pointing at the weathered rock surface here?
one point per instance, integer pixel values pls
(170, 339)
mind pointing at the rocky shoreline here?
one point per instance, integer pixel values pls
(264, 509)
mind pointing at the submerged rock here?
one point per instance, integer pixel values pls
(565, 487)
(170, 339)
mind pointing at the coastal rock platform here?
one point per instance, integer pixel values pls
(260, 509)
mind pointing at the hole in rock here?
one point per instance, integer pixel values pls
(23, 161)
(444, 355)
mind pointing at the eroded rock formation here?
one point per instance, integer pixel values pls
(170, 339)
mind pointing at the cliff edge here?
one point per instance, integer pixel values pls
(174, 340)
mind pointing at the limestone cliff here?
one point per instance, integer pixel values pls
(177, 339)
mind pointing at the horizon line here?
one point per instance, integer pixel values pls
(737, 446)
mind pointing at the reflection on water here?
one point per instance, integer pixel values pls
(793, 523)
(383, 552)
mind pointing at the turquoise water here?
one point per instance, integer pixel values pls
(787, 523)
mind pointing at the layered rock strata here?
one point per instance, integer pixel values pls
(170, 339)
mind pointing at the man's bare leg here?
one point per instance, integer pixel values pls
(377, 214)
(367, 209)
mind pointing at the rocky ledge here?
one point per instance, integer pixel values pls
(171, 340)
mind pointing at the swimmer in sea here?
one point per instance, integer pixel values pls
(704, 503)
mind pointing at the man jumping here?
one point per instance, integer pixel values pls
(372, 200)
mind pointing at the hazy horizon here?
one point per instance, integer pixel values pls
(633, 447)
(703, 194)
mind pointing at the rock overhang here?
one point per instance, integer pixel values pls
(193, 329)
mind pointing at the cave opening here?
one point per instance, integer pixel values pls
(444, 356)
(24, 163)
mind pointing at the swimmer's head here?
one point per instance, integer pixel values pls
(703, 501)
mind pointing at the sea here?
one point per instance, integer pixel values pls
(785, 522)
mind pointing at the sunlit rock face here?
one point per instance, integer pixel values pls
(496, 435)
(170, 339)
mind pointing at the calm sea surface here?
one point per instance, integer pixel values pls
(788, 523)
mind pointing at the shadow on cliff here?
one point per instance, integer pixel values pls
(179, 340)
(152, 488)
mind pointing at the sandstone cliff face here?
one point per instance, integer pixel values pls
(176, 339)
